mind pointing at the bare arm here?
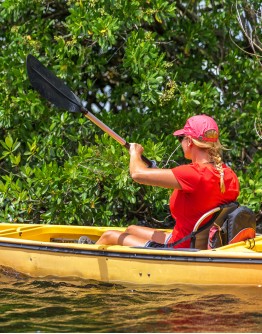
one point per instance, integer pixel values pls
(149, 176)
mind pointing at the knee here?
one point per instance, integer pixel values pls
(131, 229)
(108, 237)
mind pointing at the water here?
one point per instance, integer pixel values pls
(48, 305)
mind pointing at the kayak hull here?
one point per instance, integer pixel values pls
(52, 251)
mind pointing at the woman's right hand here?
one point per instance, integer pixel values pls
(136, 149)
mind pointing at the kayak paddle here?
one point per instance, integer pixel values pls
(54, 90)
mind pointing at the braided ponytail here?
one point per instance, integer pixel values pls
(215, 156)
(215, 153)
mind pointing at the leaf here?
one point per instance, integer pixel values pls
(15, 159)
(158, 18)
(9, 142)
(196, 102)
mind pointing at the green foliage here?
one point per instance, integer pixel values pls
(143, 67)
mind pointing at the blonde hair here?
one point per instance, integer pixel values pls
(215, 150)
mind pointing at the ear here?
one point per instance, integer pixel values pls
(189, 141)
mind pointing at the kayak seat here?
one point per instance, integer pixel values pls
(199, 237)
(223, 225)
(200, 234)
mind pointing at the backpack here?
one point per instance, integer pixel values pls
(240, 225)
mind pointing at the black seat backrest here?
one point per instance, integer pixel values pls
(225, 210)
(240, 225)
(200, 238)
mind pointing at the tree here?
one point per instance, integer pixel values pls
(143, 67)
(250, 20)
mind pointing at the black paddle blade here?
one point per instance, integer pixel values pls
(51, 87)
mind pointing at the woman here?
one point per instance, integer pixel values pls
(198, 187)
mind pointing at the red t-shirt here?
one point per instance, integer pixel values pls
(200, 193)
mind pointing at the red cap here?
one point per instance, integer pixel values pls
(197, 126)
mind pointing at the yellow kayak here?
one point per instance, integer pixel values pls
(56, 251)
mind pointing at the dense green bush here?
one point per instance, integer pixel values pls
(143, 67)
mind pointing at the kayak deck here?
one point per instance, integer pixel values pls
(72, 234)
(47, 233)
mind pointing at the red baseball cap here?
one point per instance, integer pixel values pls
(197, 126)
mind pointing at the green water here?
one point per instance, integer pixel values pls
(48, 305)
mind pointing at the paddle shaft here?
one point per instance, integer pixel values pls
(112, 133)
(104, 127)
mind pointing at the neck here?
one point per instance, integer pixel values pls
(200, 156)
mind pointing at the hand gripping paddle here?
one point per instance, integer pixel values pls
(54, 90)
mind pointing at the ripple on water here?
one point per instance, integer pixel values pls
(47, 305)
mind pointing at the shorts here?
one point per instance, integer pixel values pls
(154, 244)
